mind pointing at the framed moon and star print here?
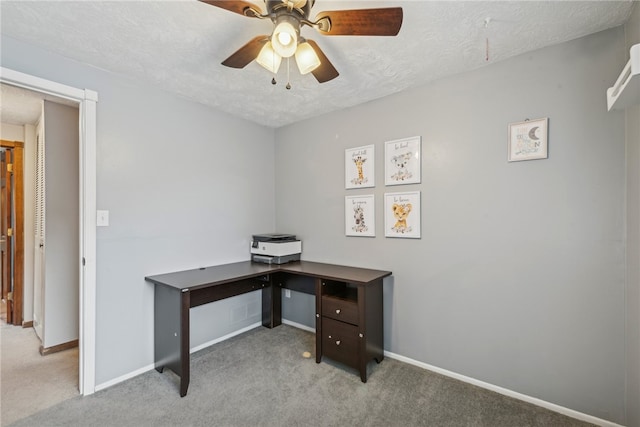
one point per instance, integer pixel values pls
(528, 140)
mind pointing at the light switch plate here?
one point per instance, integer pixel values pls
(103, 219)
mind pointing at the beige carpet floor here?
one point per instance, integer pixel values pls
(260, 378)
(30, 382)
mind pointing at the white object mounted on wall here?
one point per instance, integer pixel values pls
(528, 140)
(359, 167)
(402, 215)
(102, 218)
(402, 164)
(626, 90)
(359, 214)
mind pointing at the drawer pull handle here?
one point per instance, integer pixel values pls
(338, 342)
(338, 311)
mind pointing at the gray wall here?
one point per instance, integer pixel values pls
(181, 183)
(62, 235)
(632, 33)
(518, 279)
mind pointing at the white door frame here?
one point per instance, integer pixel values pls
(86, 100)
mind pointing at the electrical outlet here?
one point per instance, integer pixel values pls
(287, 293)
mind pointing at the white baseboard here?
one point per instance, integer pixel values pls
(514, 394)
(225, 337)
(510, 393)
(124, 377)
(298, 325)
(193, 350)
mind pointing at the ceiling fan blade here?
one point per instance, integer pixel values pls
(247, 53)
(326, 71)
(361, 22)
(237, 6)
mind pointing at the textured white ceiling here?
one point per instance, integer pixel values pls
(179, 45)
(19, 106)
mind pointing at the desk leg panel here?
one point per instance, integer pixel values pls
(185, 369)
(318, 320)
(167, 329)
(171, 332)
(271, 305)
(374, 320)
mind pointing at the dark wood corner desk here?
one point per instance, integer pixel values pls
(348, 308)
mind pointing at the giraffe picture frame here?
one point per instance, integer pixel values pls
(359, 215)
(359, 167)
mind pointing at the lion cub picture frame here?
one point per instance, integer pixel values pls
(402, 215)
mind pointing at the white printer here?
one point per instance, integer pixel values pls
(275, 248)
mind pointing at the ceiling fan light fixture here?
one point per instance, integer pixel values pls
(285, 36)
(289, 16)
(268, 58)
(306, 58)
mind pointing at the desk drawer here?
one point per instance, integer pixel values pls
(340, 309)
(340, 341)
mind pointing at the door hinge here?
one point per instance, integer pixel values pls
(9, 232)
(83, 262)
(10, 296)
(10, 167)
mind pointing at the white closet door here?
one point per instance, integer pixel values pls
(39, 244)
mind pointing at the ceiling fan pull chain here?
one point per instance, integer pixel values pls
(486, 28)
(288, 82)
(487, 56)
(273, 59)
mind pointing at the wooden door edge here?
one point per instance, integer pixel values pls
(18, 260)
(17, 304)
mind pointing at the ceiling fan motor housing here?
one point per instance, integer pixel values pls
(297, 8)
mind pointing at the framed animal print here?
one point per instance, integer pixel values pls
(359, 166)
(359, 214)
(402, 161)
(402, 215)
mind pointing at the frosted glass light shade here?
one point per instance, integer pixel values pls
(284, 39)
(268, 58)
(306, 58)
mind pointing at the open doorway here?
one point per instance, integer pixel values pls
(31, 382)
(86, 101)
(51, 288)
(12, 231)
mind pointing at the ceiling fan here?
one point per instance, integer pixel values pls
(288, 17)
